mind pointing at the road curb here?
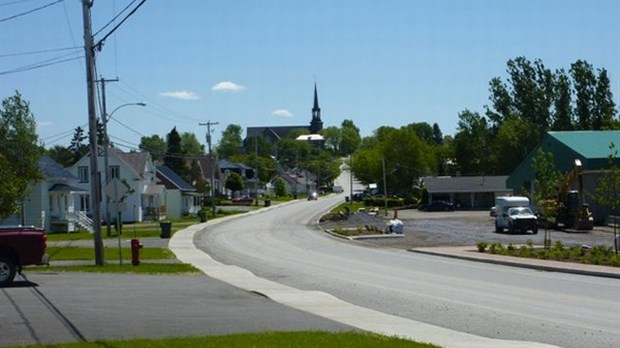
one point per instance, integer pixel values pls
(607, 272)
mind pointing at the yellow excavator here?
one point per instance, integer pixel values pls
(572, 210)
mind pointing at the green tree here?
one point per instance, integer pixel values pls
(77, 146)
(607, 191)
(196, 178)
(332, 137)
(471, 144)
(424, 131)
(190, 145)
(62, 155)
(546, 182)
(562, 114)
(512, 144)
(350, 138)
(174, 154)
(584, 82)
(437, 135)
(231, 141)
(19, 153)
(604, 107)
(155, 145)
(234, 182)
(279, 187)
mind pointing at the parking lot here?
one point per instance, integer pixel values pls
(465, 228)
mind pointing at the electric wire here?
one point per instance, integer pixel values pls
(64, 7)
(31, 11)
(38, 65)
(100, 42)
(14, 2)
(39, 51)
(114, 18)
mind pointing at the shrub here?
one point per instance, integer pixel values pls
(482, 246)
(497, 248)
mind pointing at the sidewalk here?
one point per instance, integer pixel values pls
(472, 254)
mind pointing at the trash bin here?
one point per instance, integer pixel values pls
(166, 228)
(267, 202)
(346, 199)
(202, 214)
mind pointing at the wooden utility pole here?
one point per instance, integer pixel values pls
(95, 187)
(211, 162)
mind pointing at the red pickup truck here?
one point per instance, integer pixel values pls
(20, 246)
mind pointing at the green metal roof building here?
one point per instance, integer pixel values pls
(591, 147)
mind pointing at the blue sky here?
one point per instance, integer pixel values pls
(254, 63)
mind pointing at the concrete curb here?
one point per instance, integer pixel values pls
(470, 254)
(325, 305)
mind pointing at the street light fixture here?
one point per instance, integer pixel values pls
(106, 144)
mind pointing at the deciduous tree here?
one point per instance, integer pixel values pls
(19, 153)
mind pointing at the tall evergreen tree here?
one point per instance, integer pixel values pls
(174, 155)
(437, 135)
(77, 145)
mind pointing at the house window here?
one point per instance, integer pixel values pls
(83, 173)
(114, 172)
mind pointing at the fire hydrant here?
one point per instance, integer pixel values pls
(135, 251)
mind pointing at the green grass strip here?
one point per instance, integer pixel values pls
(127, 267)
(62, 253)
(261, 340)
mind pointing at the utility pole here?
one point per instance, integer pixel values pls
(256, 169)
(106, 144)
(211, 162)
(385, 196)
(92, 132)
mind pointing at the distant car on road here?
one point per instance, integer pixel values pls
(313, 196)
(437, 206)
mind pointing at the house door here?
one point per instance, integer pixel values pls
(84, 203)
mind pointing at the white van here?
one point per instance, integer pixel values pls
(514, 214)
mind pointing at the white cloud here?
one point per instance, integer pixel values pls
(282, 113)
(184, 95)
(228, 86)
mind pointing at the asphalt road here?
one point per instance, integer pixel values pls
(73, 307)
(486, 300)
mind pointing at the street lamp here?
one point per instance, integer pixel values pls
(106, 143)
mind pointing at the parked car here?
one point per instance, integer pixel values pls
(20, 246)
(516, 219)
(437, 206)
(493, 211)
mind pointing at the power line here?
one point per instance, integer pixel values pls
(114, 19)
(14, 2)
(31, 11)
(100, 43)
(39, 51)
(38, 65)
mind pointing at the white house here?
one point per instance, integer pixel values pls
(181, 197)
(141, 199)
(52, 202)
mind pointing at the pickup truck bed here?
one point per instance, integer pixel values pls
(20, 246)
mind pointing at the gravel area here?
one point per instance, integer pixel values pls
(460, 228)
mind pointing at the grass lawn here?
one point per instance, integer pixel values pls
(85, 253)
(266, 340)
(142, 268)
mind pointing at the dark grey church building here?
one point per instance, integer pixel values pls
(275, 133)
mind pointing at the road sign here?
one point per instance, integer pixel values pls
(116, 190)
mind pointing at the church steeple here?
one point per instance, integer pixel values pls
(316, 125)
